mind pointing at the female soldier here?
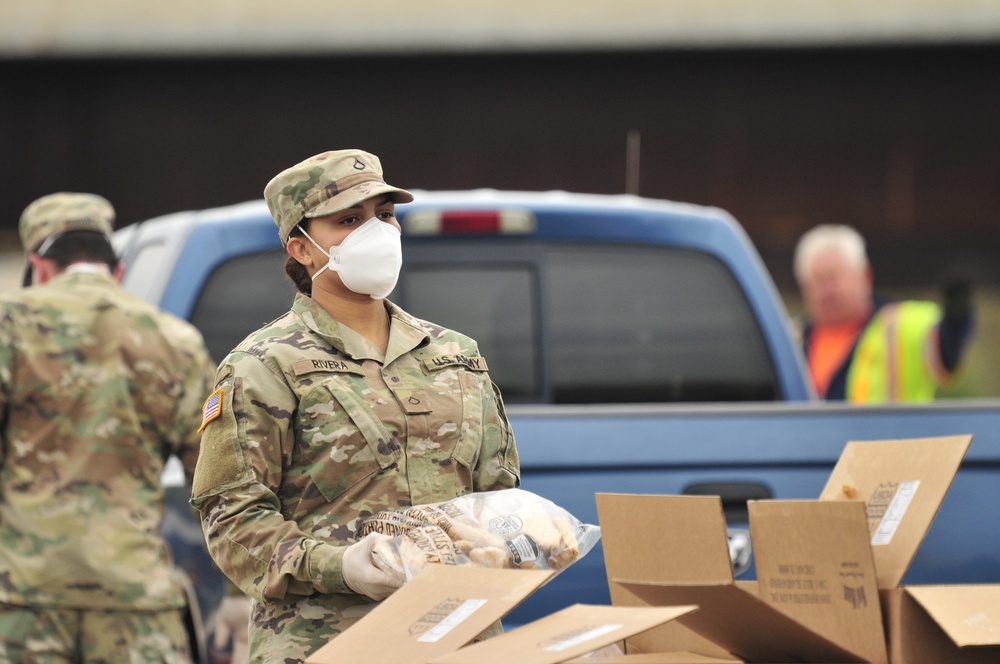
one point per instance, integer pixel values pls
(341, 408)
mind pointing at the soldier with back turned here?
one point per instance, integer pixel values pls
(97, 390)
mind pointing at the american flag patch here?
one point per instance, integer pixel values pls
(211, 409)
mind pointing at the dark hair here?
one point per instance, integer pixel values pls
(81, 246)
(296, 271)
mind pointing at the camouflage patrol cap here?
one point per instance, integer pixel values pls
(324, 184)
(51, 216)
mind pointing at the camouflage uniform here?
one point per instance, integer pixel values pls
(312, 428)
(316, 431)
(97, 389)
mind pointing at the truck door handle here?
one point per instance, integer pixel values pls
(740, 550)
(734, 496)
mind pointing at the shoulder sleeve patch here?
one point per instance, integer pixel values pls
(442, 361)
(211, 409)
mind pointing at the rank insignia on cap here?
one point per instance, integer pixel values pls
(211, 409)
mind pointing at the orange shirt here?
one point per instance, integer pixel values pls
(829, 345)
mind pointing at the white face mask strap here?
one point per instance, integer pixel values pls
(316, 244)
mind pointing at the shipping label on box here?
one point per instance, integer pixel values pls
(564, 635)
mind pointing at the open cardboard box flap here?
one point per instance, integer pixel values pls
(902, 483)
(440, 610)
(564, 635)
(968, 614)
(815, 565)
(743, 624)
(817, 600)
(957, 624)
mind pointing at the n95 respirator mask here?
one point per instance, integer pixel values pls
(368, 260)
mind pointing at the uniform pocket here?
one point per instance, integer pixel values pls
(344, 439)
(471, 431)
(453, 408)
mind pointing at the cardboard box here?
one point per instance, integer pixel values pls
(898, 485)
(565, 635)
(816, 600)
(445, 607)
(437, 612)
(903, 483)
(952, 624)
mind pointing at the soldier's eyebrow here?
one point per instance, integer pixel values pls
(380, 201)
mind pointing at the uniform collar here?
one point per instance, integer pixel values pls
(83, 275)
(406, 332)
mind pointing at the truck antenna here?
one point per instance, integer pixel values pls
(632, 142)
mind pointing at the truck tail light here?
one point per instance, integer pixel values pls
(468, 222)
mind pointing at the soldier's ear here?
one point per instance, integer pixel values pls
(42, 268)
(299, 249)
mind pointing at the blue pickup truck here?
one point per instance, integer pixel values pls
(640, 346)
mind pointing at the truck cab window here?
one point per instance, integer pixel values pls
(650, 324)
(578, 323)
(241, 294)
(494, 304)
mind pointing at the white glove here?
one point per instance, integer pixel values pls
(362, 575)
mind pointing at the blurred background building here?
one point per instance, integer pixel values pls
(787, 114)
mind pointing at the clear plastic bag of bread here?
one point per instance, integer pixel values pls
(511, 528)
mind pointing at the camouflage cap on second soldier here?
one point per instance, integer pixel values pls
(324, 184)
(51, 216)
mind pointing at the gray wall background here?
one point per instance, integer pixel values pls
(900, 141)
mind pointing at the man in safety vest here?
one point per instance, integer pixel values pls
(863, 350)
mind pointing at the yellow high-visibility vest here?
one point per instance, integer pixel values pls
(897, 356)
